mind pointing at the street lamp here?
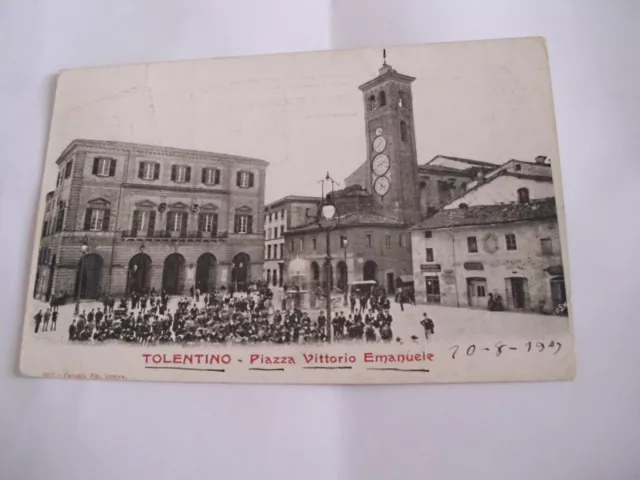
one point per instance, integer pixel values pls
(84, 248)
(346, 273)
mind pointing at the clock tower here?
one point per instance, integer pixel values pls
(392, 176)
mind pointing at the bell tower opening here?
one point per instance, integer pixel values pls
(389, 126)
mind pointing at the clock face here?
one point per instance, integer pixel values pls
(379, 144)
(379, 131)
(381, 186)
(380, 164)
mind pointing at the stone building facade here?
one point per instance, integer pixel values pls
(151, 217)
(363, 246)
(281, 216)
(501, 236)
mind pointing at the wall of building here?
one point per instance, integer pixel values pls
(120, 194)
(451, 253)
(432, 192)
(504, 189)
(389, 259)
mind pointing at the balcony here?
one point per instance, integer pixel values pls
(168, 235)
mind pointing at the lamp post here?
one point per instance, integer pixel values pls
(83, 250)
(346, 272)
(328, 211)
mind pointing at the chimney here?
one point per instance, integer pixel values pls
(464, 207)
(541, 159)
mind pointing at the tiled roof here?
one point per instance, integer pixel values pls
(490, 214)
(352, 219)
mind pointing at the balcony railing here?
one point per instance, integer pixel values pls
(178, 235)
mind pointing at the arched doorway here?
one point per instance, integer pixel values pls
(370, 270)
(240, 271)
(173, 274)
(88, 276)
(343, 276)
(139, 273)
(315, 274)
(206, 273)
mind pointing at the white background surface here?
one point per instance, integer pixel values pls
(587, 429)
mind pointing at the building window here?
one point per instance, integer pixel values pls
(511, 241)
(208, 223)
(307, 212)
(59, 179)
(428, 234)
(382, 98)
(45, 229)
(387, 240)
(291, 245)
(104, 167)
(268, 252)
(281, 250)
(403, 131)
(343, 241)
(402, 99)
(149, 170)
(243, 224)
(244, 179)
(302, 245)
(180, 173)
(429, 253)
(96, 220)
(177, 221)
(282, 230)
(371, 103)
(523, 195)
(401, 240)
(60, 218)
(369, 240)
(210, 176)
(472, 244)
(67, 169)
(315, 243)
(546, 246)
(144, 220)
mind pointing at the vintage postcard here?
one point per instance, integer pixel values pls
(387, 215)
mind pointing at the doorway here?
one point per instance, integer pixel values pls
(558, 292)
(206, 273)
(88, 276)
(173, 274)
(391, 283)
(433, 289)
(477, 292)
(370, 271)
(517, 292)
(139, 278)
(240, 272)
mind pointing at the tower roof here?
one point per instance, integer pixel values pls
(386, 72)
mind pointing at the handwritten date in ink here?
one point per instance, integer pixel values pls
(500, 348)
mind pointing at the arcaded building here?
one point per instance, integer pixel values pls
(151, 217)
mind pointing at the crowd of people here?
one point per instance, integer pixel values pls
(225, 317)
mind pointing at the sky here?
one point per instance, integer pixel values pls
(303, 112)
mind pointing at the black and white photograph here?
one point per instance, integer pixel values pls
(384, 215)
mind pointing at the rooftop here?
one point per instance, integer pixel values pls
(435, 161)
(153, 150)
(293, 199)
(490, 214)
(351, 220)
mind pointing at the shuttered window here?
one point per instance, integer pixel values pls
(149, 170)
(245, 179)
(210, 176)
(180, 173)
(243, 224)
(104, 167)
